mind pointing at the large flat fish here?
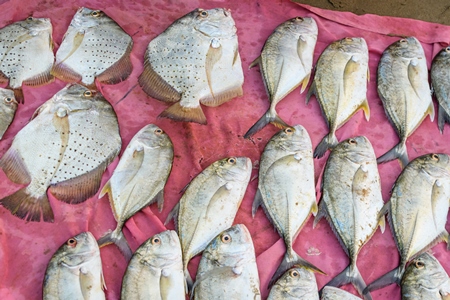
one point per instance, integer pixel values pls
(417, 211)
(138, 180)
(351, 202)
(75, 271)
(285, 62)
(228, 268)
(156, 270)
(440, 80)
(296, 284)
(66, 147)
(405, 92)
(8, 107)
(26, 54)
(94, 48)
(209, 205)
(340, 85)
(286, 189)
(195, 60)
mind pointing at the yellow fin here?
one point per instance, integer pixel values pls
(430, 111)
(382, 223)
(305, 83)
(105, 190)
(255, 62)
(365, 107)
(314, 209)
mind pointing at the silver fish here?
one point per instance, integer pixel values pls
(228, 268)
(195, 60)
(332, 293)
(351, 202)
(440, 80)
(66, 147)
(295, 284)
(209, 205)
(138, 180)
(26, 54)
(75, 271)
(286, 189)
(8, 107)
(156, 270)
(94, 48)
(285, 62)
(425, 279)
(417, 211)
(340, 85)
(404, 90)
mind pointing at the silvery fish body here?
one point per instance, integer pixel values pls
(404, 90)
(295, 284)
(340, 85)
(66, 147)
(138, 180)
(195, 60)
(285, 62)
(332, 293)
(156, 270)
(440, 80)
(228, 268)
(8, 107)
(351, 201)
(93, 48)
(75, 271)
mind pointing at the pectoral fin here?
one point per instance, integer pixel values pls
(77, 40)
(351, 67)
(212, 57)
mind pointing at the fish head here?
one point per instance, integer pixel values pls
(73, 97)
(86, 18)
(435, 164)
(408, 47)
(236, 241)
(216, 22)
(233, 168)
(8, 101)
(298, 280)
(292, 139)
(78, 250)
(301, 25)
(152, 136)
(36, 26)
(160, 248)
(351, 45)
(357, 149)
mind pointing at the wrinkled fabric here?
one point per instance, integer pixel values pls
(26, 248)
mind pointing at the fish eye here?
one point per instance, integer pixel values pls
(8, 99)
(349, 39)
(156, 241)
(158, 131)
(231, 160)
(226, 238)
(88, 94)
(96, 13)
(298, 19)
(29, 19)
(71, 242)
(294, 273)
(434, 157)
(447, 49)
(289, 130)
(403, 41)
(352, 142)
(419, 264)
(203, 13)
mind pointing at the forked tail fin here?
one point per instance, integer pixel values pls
(398, 152)
(394, 276)
(268, 117)
(28, 207)
(117, 238)
(328, 142)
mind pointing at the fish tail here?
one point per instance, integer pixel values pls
(117, 238)
(394, 276)
(399, 151)
(185, 114)
(328, 142)
(290, 260)
(268, 117)
(28, 207)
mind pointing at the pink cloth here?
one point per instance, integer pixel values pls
(26, 248)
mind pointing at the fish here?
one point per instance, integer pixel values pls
(297, 283)
(195, 60)
(425, 279)
(228, 269)
(440, 81)
(156, 270)
(138, 180)
(417, 211)
(26, 51)
(94, 48)
(351, 201)
(209, 205)
(286, 62)
(75, 270)
(340, 86)
(286, 190)
(332, 293)
(8, 107)
(65, 148)
(402, 84)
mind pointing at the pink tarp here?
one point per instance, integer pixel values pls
(26, 248)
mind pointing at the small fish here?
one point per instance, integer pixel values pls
(66, 147)
(195, 60)
(404, 90)
(209, 205)
(138, 180)
(94, 48)
(228, 268)
(26, 54)
(8, 107)
(440, 80)
(425, 279)
(285, 62)
(297, 283)
(417, 211)
(332, 293)
(340, 85)
(156, 270)
(75, 271)
(286, 189)
(351, 202)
